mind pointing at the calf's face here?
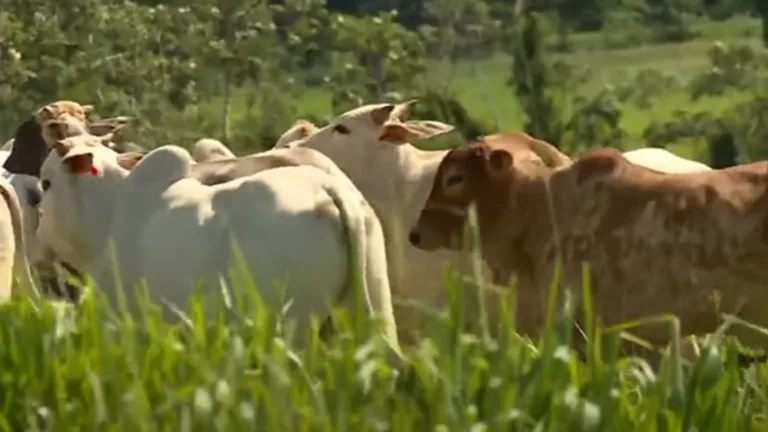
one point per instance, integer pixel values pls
(465, 176)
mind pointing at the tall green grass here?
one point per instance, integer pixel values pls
(89, 368)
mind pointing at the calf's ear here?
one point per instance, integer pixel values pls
(499, 161)
(87, 110)
(596, 167)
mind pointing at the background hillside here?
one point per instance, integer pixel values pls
(626, 73)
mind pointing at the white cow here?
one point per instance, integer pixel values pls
(170, 229)
(13, 253)
(371, 145)
(209, 149)
(663, 160)
(27, 189)
(28, 195)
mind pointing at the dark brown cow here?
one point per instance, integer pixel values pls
(690, 244)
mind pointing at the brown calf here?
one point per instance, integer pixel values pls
(31, 144)
(688, 244)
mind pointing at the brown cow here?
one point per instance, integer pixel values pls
(655, 243)
(31, 145)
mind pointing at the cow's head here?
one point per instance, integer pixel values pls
(300, 130)
(370, 132)
(209, 149)
(78, 181)
(482, 173)
(64, 107)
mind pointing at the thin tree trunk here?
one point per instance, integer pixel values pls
(765, 30)
(225, 111)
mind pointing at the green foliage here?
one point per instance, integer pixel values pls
(372, 57)
(89, 368)
(447, 109)
(739, 66)
(531, 78)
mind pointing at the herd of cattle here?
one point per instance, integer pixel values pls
(354, 205)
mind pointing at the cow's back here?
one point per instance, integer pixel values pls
(669, 244)
(287, 229)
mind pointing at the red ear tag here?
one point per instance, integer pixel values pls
(94, 171)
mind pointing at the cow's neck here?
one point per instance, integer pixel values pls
(98, 207)
(515, 234)
(395, 180)
(418, 175)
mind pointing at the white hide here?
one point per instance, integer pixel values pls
(290, 224)
(25, 187)
(13, 254)
(300, 130)
(209, 149)
(663, 160)
(396, 180)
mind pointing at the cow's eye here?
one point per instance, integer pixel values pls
(340, 128)
(454, 179)
(45, 184)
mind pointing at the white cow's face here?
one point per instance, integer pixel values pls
(79, 181)
(367, 134)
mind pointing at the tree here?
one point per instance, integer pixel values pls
(529, 78)
(762, 9)
(372, 58)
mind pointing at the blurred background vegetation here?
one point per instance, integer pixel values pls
(689, 75)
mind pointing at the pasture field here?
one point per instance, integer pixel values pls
(91, 369)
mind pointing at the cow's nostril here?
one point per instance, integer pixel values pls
(414, 238)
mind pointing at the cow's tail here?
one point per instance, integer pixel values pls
(367, 258)
(20, 262)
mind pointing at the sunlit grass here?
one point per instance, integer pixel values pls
(88, 368)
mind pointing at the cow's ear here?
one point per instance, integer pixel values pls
(87, 110)
(79, 163)
(499, 161)
(129, 160)
(382, 114)
(597, 166)
(46, 113)
(412, 131)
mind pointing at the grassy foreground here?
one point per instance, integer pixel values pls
(63, 369)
